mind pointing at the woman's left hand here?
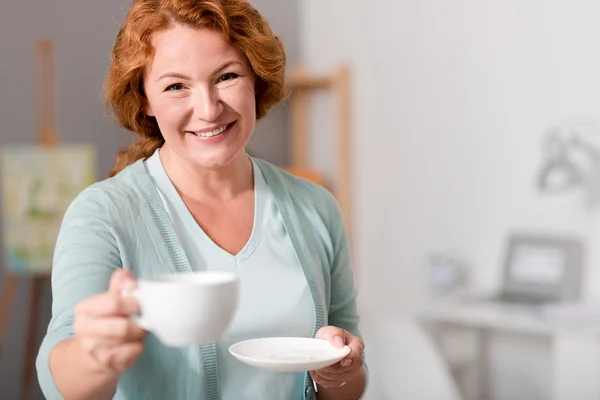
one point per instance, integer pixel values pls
(345, 370)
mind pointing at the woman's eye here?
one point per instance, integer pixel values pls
(174, 87)
(228, 77)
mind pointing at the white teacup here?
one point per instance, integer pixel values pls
(187, 308)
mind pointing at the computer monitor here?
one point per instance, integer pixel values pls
(542, 269)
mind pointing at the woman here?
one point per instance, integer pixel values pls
(190, 78)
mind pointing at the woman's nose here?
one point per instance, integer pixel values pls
(207, 105)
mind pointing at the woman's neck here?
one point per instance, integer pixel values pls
(209, 186)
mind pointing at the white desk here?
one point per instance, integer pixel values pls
(574, 348)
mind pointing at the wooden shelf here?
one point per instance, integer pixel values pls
(303, 85)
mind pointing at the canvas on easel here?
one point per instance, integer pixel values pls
(38, 184)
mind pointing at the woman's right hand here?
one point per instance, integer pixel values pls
(104, 328)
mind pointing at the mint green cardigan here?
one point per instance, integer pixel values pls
(121, 222)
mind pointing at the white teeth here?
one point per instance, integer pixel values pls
(211, 133)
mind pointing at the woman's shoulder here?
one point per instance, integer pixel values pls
(296, 184)
(301, 190)
(114, 192)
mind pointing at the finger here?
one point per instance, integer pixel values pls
(120, 328)
(97, 347)
(339, 337)
(334, 335)
(117, 358)
(124, 356)
(357, 347)
(97, 350)
(325, 382)
(88, 345)
(121, 279)
(337, 377)
(352, 361)
(107, 304)
(338, 368)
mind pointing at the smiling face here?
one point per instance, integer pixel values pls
(201, 90)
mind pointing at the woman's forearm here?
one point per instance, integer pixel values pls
(350, 391)
(77, 376)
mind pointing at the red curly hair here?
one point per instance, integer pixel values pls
(242, 26)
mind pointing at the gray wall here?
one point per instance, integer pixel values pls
(84, 32)
(270, 140)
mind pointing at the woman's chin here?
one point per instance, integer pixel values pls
(217, 161)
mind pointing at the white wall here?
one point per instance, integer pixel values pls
(450, 100)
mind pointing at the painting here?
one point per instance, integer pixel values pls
(38, 184)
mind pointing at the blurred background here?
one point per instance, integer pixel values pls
(470, 177)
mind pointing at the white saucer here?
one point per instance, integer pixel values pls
(288, 354)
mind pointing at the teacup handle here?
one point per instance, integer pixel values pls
(137, 319)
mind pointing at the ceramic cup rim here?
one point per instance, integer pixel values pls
(196, 278)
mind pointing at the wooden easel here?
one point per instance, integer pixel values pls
(47, 136)
(302, 85)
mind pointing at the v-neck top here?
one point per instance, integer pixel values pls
(190, 234)
(268, 255)
(121, 222)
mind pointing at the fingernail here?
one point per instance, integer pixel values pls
(339, 341)
(346, 362)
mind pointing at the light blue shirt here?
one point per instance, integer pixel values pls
(267, 256)
(121, 222)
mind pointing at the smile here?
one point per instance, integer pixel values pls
(212, 133)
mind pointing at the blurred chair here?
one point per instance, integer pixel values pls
(404, 362)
